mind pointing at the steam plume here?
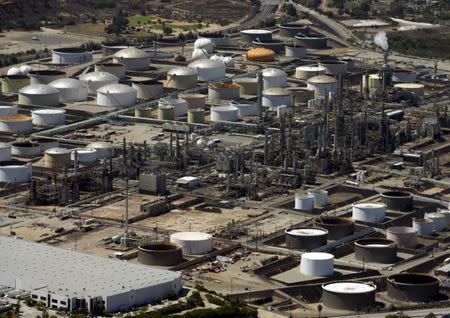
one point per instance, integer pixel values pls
(381, 40)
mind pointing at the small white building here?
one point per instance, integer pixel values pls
(187, 182)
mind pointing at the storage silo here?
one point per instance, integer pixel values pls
(57, 158)
(305, 72)
(301, 95)
(8, 110)
(159, 254)
(291, 29)
(71, 89)
(224, 113)
(376, 250)
(415, 88)
(337, 227)
(148, 89)
(180, 105)
(373, 212)
(354, 296)
(305, 238)
(412, 287)
(423, 226)
(84, 155)
(15, 171)
(16, 124)
(245, 108)
(247, 85)
(274, 77)
(105, 149)
(48, 117)
(317, 264)
(45, 76)
(166, 112)
(194, 100)
(39, 94)
(133, 58)
(182, 78)
(397, 200)
(439, 221)
(248, 36)
(403, 236)
(320, 197)
(95, 80)
(193, 243)
(297, 51)
(208, 70)
(11, 84)
(223, 91)
(25, 149)
(275, 97)
(334, 67)
(304, 202)
(71, 55)
(115, 69)
(260, 55)
(5, 152)
(196, 116)
(216, 38)
(323, 85)
(116, 95)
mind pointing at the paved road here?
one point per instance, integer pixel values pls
(411, 313)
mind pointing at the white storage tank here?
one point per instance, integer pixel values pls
(104, 149)
(45, 76)
(305, 72)
(71, 55)
(275, 97)
(8, 110)
(320, 197)
(16, 124)
(274, 77)
(95, 80)
(423, 226)
(71, 90)
(193, 243)
(208, 70)
(199, 54)
(133, 58)
(317, 264)
(15, 171)
(148, 89)
(323, 85)
(245, 108)
(115, 69)
(373, 212)
(25, 149)
(5, 152)
(180, 105)
(439, 221)
(39, 94)
(305, 238)
(116, 95)
(48, 117)
(403, 236)
(182, 78)
(304, 202)
(14, 71)
(224, 113)
(283, 110)
(84, 155)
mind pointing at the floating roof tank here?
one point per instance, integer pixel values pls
(397, 200)
(403, 236)
(39, 94)
(373, 212)
(275, 45)
(16, 124)
(15, 171)
(317, 264)
(71, 89)
(423, 226)
(95, 80)
(133, 58)
(25, 149)
(337, 227)
(305, 238)
(248, 36)
(245, 108)
(412, 287)
(71, 55)
(297, 51)
(312, 41)
(46, 143)
(148, 88)
(109, 48)
(116, 95)
(305, 72)
(182, 78)
(116, 69)
(290, 30)
(11, 84)
(217, 38)
(376, 250)
(193, 243)
(45, 76)
(159, 254)
(353, 296)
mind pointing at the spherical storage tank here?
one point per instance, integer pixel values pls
(48, 117)
(274, 77)
(115, 69)
(5, 152)
(224, 113)
(57, 158)
(180, 105)
(148, 89)
(423, 226)
(208, 70)
(16, 124)
(159, 254)
(290, 30)
(306, 238)
(133, 58)
(275, 97)
(193, 243)
(216, 38)
(303, 202)
(412, 287)
(293, 50)
(116, 95)
(373, 212)
(71, 89)
(260, 55)
(248, 36)
(166, 112)
(247, 85)
(45, 76)
(337, 227)
(323, 85)
(305, 72)
(182, 78)
(317, 264)
(438, 219)
(397, 200)
(71, 55)
(39, 94)
(84, 155)
(376, 250)
(223, 91)
(403, 236)
(104, 149)
(25, 149)
(15, 171)
(11, 84)
(349, 295)
(245, 108)
(95, 80)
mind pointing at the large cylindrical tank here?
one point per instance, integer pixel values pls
(180, 105)
(290, 30)
(182, 78)
(84, 155)
(194, 100)
(95, 80)
(439, 221)
(317, 264)
(46, 143)
(274, 77)
(71, 89)
(48, 117)
(15, 171)
(148, 89)
(260, 55)
(446, 213)
(274, 45)
(423, 226)
(166, 112)
(403, 236)
(216, 38)
(403, 76)
(323, 85)
(353, 296)
(208, 70)
(193, 243)
(337, 227)
(57, 158)
(39, 94)
(45, 76)
(312, 41)
(275, 97)
(320, 197)
(8, 110)
(11, 84)
(115, 69)
(245, 108)
(5, 152)
(25, 149)
(224, 113)
(397, 200)
(304, 202)
(223, 91)
(248, 36)
(307, 238)
(373, 212)
(71, 55)
(159, 254)
(297, 51)
(305, 72)
(133, 58)
(16, 124)
(196, 116)
(116, 95)
(412, 287)
(417, 89)
(110, 48)
(334, 67)
(247, 85)
(376, 250)
(301, 95)
(105, 149)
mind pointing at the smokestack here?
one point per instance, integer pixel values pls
(259, 99)
(385, 57)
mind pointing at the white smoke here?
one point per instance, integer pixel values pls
(381, 40)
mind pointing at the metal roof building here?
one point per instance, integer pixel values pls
(64, 278)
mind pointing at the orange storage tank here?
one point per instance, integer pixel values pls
(260, 55)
